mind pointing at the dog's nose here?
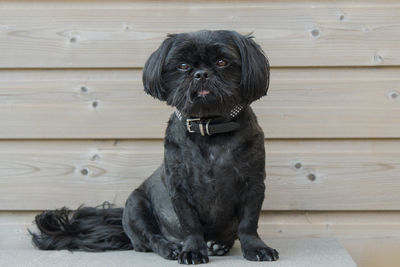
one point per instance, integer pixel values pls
(201, 74)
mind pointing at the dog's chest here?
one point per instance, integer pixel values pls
(220, 185)
(212, 162)
(213, 176)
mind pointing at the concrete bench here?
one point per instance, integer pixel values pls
(299, 252)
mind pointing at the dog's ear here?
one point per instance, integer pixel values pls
(255, 68)
(152, 72)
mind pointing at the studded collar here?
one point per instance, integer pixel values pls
(211, 125)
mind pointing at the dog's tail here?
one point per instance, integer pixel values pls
(88, 229)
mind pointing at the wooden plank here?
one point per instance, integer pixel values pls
(372, 238)
(301, 175)
(293, 33)
(343, 225)
(301, 103)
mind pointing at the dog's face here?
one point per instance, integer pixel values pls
(207, 73)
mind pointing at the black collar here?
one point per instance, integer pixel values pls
(211, 125)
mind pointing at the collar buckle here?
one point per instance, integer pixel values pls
(189, 125)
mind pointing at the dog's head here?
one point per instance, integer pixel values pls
(207, 73)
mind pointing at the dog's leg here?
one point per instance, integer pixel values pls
(194, 249)
(253, 248)
(141, 227)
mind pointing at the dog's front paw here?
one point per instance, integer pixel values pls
(170, 251)
(166, 249)
(192, 257)
(194, 251)
(261, 254)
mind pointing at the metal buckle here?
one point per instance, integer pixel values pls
(189, 126)
(208, 132)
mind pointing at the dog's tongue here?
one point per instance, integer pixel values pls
(203, 92)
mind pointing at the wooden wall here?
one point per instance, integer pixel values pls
(76, 126)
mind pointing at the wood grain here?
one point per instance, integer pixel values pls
(301, 175)
(301, 103)
(123, 34)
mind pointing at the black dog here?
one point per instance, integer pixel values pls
(210, 187)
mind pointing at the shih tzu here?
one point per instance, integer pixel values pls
(210, 187)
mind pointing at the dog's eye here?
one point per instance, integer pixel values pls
(221, 63)
(184, 66)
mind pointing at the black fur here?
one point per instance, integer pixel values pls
(89, 229)
(209, 189)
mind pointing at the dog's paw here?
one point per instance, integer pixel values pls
(217, 249)
(261, 254)
(192, 257)
(168, 250)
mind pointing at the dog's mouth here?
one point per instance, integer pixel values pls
(203, 92)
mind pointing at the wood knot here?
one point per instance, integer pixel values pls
(85, 171)
(312, 177)
(340, 16)
(298, 165)
(84, 89)
(394, 95)
(127, 27)
(73, 39)
(315, 33)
